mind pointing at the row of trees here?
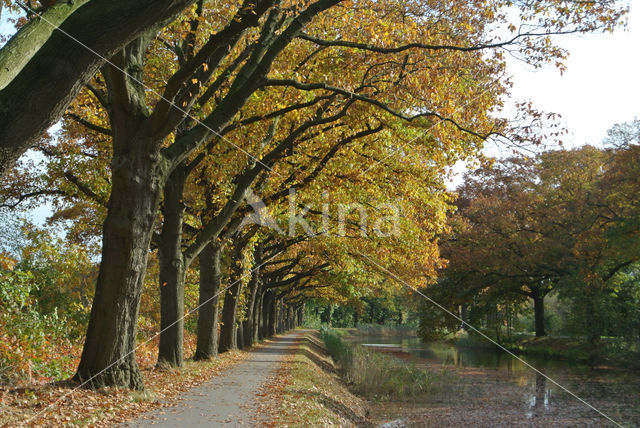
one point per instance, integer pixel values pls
(563, 222)
(199, 113)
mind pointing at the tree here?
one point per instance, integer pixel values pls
(528, 227)
(102, 27)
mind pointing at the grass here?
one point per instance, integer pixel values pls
(306, 391)
(376, 375)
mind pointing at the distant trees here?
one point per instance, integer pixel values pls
(564, 221)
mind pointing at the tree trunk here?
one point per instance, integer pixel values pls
(279, 317)
(258, 333)
(273, 312)
(228, 334)
(266, 313)
(292, 318)
(249, 323)
(254, 285)
(207, 342)
(538, 308)
(239, 336)
(227, 329)
(301, 315)
(108, 356)
(172, 273)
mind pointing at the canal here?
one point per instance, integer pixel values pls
(479, 387)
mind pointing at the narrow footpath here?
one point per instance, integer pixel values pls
(229, 399)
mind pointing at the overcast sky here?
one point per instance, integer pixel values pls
(600, 87)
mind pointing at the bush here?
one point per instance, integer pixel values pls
(32, 344)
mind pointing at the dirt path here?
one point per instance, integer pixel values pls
(227, 400)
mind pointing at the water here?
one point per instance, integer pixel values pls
(489, 387)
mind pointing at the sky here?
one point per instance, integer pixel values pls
(601, 86)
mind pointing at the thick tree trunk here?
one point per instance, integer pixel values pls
(23, 45)
(207, 346)
(108, 356)
(538, 309)
(55, 74)
(229, 311)
(172, 273)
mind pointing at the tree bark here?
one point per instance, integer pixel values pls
(172, 273)
(301, 315)
(24, 44)
(266, 312)
(239, 335)
(58, 70)
(207, 345)
(108, 356)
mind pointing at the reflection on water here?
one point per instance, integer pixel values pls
(494, 385)
(450, 355)
(539, 400)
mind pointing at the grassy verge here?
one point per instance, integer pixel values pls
(306, 392)
(376, 375)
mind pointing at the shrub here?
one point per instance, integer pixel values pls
(32, 344)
